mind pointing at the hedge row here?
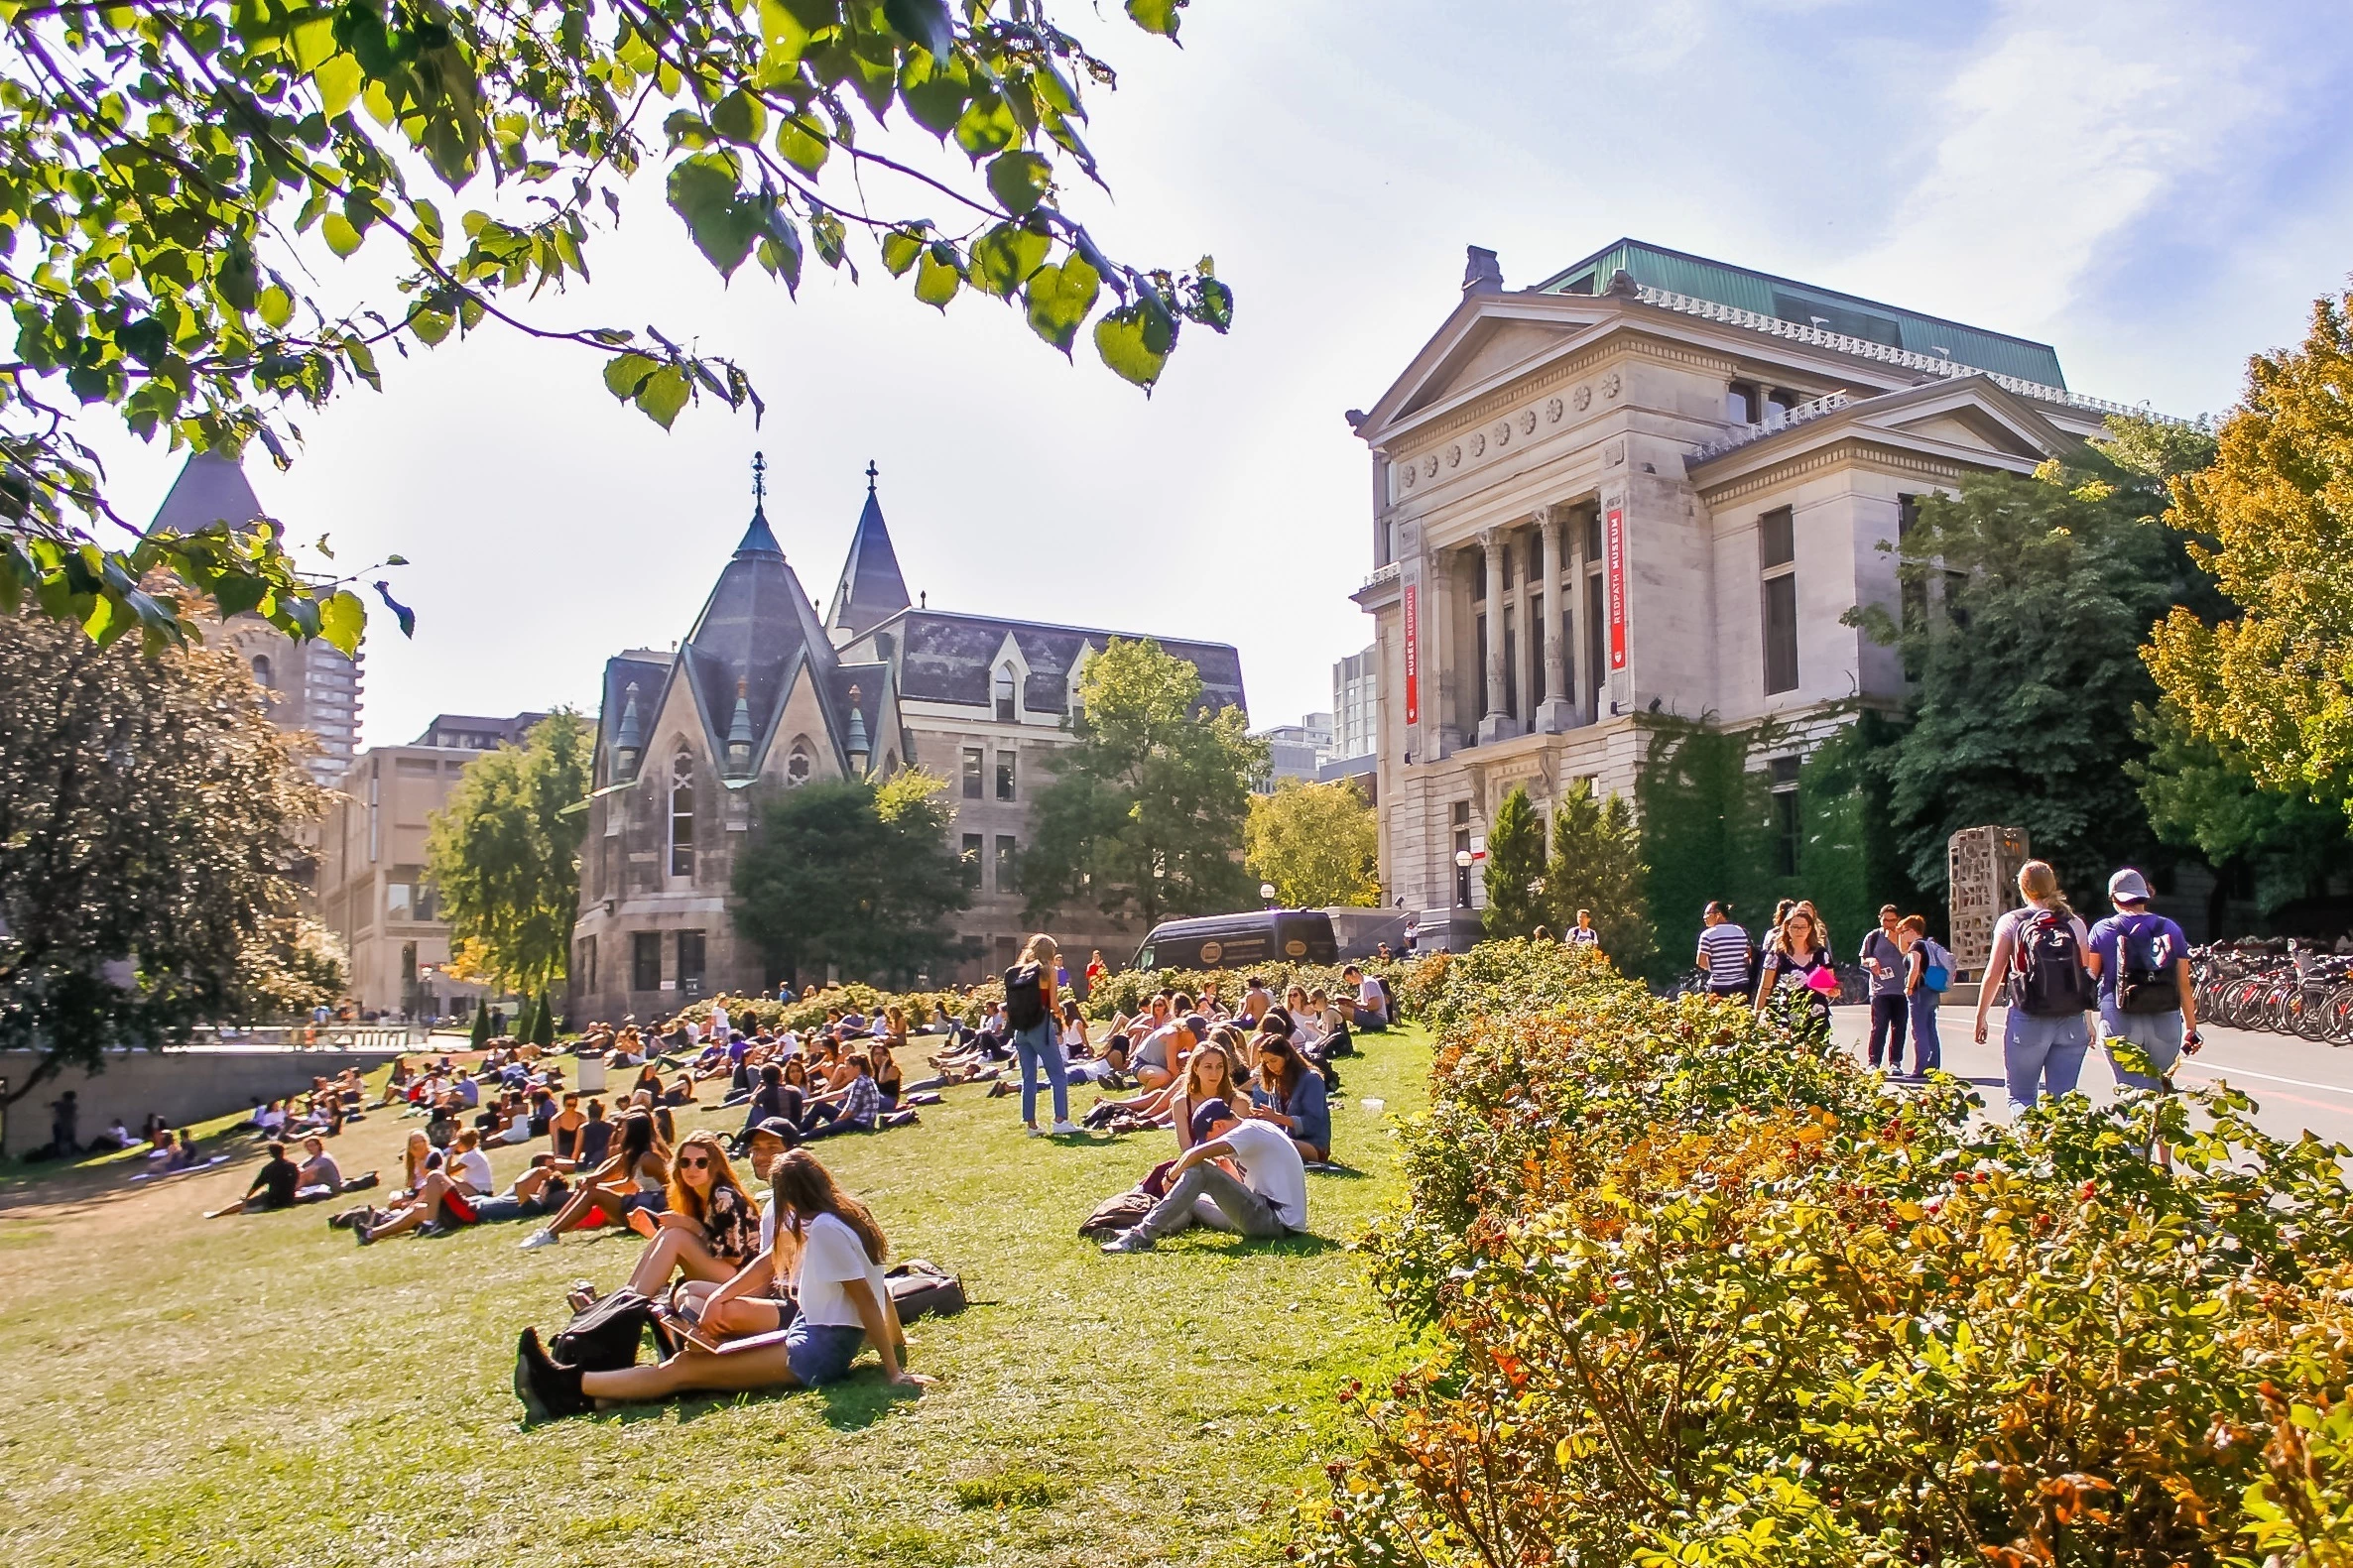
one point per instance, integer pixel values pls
(1698, 1290)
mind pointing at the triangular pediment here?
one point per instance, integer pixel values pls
(1972, 425)
(1489, 338)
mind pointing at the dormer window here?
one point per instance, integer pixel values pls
(800, 765)
(1003, 690)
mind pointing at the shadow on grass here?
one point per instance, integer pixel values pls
(850, 1405)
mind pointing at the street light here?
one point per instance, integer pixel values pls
(1462, 864)
(1266, 894)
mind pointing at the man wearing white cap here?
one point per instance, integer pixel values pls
(2142, 962)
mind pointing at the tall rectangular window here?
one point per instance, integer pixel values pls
(584, 963)
(1479, 663)
(974, 762)
(1005, 776)
(1005, 848)
(1535, 633)
(689, 960)
(1511, 663)
(1596, 666)
(1777, 559)
(971, 858)
(645, 961)
(1787, 831)
(681, 816)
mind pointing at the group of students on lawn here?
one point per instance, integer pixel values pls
(778, 1282)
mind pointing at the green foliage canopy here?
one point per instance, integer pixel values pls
(1597, 865)
(178, 181)
(846, 873)
(1318, 843)
(1146, 812)
(504, 853)
(1515, 871)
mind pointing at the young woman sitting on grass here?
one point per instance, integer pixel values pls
(828, 1256)
(635, 1178)
(1291, 1096)
(711, 1228)
(1209, 1074)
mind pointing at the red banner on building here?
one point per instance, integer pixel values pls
(1613, 548)
(1413, 654)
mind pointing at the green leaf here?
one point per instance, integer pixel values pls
(1004, 258)
(1125, 340)
(723, 221)
(1058, 299)
(939, 278)
(1020, 179)
(624, 373)
(275, 306)
(924, 22)
(900, 248)
(934, 91)
(740, 118)
(785, 35)
(802, 143)
(1217, 304)
(341, 237)
(432, 326)
(338, 82)
(664, 395)
(1156, 16)
(986, 126)
(341, 618)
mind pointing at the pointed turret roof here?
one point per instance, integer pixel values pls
(210, 489)
(871, 589)
(755, 629)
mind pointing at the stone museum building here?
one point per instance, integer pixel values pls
(1653, 483)
(768, 692)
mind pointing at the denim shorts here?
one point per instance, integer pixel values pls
(821, 1353)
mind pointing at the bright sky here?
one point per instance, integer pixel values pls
(2156, 187)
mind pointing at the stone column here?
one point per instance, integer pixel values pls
(1573, 520)
(1496, 723)
(1557, 712)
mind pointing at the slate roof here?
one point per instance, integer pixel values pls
(949, 657)
(210, 489)
(757, 626)
(872, 589)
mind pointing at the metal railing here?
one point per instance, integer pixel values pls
(305, 1036)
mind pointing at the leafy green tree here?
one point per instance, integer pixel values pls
(1597, 865)
(1146, 812)
(1516, 893)
(2029, 662)
(146, 814)
(848, 873)
(2271, 680)
(1318, 843)
(480, 1035)
(291, 964)
(543, 1023)
(2203, 796)
(504, 853)
(179, 180)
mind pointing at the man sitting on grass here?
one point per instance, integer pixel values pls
(272, 1185)
(1268, 1199)
(444, 1201)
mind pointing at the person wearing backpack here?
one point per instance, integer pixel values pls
(2040, 951)
(1030, 1012)
(2142, 962)
(1928, 974)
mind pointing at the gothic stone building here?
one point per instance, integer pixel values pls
(767, 693)
(1653, 483)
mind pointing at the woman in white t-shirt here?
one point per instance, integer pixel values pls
(827, 1255)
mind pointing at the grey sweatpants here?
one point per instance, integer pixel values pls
(1206, 1195)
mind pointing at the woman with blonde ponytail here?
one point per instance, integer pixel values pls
(2039, 963)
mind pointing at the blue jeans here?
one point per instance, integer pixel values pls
(2158, 1034)
(1927, 1052)
(1040, 1048)
(2046, 1050)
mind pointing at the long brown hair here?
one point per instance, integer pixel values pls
(1294, 1066)
(684, 1199)
(804, 1188)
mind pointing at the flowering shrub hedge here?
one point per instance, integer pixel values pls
(1701, 1291)
(1126, 990)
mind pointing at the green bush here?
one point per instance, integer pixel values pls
(1128, 990)
(1698, 1290)
(543, 1023)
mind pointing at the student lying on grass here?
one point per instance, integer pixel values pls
(828, 1256)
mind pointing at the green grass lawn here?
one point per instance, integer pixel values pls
(258, 1391)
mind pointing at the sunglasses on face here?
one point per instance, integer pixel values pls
(694, 1164)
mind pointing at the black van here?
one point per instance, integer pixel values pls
(1236, 941)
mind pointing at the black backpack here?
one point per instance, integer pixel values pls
(2150, 987)
(920, 1290)
(605, 1336)
(1025, 997)
(2048, 979)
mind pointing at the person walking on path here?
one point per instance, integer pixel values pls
(2142, 963)
(1723, 952)
(1032, 1010)
(1798, 961)
(1883, 956)
(2037, 960)
(1582, 933)
(1927, 974)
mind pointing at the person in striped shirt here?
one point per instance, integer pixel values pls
(1723, 952)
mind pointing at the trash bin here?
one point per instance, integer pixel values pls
(591, 1075)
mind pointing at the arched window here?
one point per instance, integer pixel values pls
(682, 815)
(261, 669)
(799, 765)
(1003, 690)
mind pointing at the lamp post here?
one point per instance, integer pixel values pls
(1266, 894)
(1463, 865)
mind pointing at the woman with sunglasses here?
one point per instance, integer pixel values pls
(711, 1228)
(1291, 1096)
(637, 1176)
(828, 1258)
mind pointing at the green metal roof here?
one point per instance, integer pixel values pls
(1807, 304)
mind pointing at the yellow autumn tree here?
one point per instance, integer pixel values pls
(2273, 685)
(1316, 842)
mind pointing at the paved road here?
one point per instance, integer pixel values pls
(2299, 1085)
